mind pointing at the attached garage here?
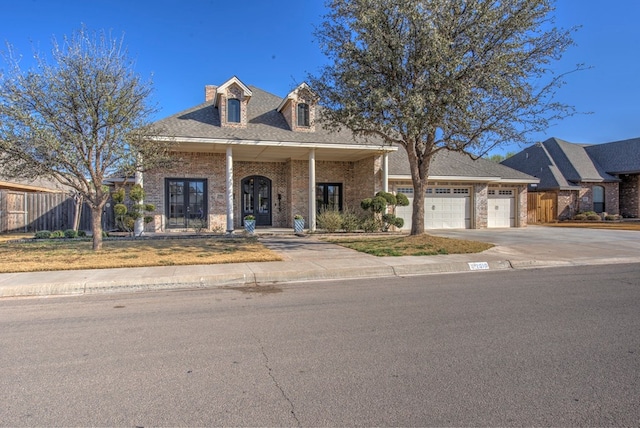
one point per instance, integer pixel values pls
(444, 208)
(463, 193)
(501, 208)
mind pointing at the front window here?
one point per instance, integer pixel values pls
(233, 110)
(598, 199)
(303, 114)
(329, 197)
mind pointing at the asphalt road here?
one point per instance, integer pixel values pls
(537, 347)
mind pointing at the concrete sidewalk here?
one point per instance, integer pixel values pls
(310, 259)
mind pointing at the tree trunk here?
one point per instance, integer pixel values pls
(96, 227)
(417, 216)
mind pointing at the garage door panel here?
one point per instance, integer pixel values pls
(501, 208)
(444, 208)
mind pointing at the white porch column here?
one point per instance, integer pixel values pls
(312, 190)
(385, 172)
(138, 226)
(229, 189)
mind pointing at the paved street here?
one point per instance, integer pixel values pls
(505, 348)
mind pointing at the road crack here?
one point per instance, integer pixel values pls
(277, 384)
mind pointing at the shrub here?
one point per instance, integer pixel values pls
(330, 220)
(580, 217)
(593, 217)
(42, 234)
(612, 217)
(376, 204)
(198, 225)
(402, 199)
(57, 234)
(70, 233)
(372, 224)
(350, 221)
(82, 234)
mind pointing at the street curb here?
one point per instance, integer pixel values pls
(251, 275)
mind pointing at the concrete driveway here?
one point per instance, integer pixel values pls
(561, 243)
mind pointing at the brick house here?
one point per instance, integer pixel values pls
(604, 178)
(246, 151)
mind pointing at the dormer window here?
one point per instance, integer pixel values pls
(231, 100)
(303, 114)
(233, 110)
(299, 109)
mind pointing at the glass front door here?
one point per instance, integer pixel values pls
(256, 199)
(186, 201)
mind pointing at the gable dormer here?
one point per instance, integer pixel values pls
(299, 109)
(231, 99)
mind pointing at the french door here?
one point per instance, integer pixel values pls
(186, 201)
(256, 199)
(329, 196)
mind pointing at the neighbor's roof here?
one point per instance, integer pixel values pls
(619, 157)
(456, 165)
(560, 164)
(35, 185)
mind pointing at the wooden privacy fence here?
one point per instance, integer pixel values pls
(32, 211)
(542, 207)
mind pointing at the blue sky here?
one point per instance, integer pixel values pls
(187, 44)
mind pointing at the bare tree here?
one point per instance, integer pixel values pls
(78, 117)
(431, 75)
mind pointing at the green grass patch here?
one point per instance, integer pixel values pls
(422, 245)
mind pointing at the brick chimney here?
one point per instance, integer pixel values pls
(209, 92)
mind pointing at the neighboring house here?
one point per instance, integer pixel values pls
(36, 185)
(579, 177)
(248, 152)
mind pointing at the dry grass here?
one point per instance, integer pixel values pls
(623, 225)
(40, 255)
(423, 245)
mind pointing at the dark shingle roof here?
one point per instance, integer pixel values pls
(619, 157)
(456, 164)
(563, 165)
(264, 123)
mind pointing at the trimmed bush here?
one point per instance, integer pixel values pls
(70, 233)
(593, 217)
(82, 234)
(57, 234)
(580, 217)
(612, 217)
(43, 234)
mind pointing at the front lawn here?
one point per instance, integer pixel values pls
(62, 254)
(422, 245)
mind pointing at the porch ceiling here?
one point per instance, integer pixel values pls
(280, 152)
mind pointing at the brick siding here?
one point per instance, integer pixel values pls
(630, 196)
(289, 180)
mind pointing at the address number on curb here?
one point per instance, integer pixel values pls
(479, 266)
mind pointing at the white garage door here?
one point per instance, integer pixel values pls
(501, 206)
(444, 208)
